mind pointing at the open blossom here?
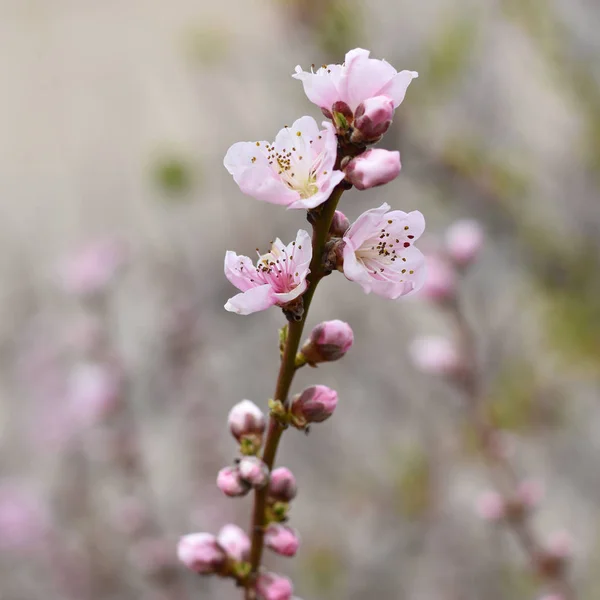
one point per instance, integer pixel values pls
(278, 277)
(357, 80)
(379, 253)
(296, 170)
(234, 541)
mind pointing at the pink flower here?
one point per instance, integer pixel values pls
(253, 471)
(246, 419)
(93, 268)
(560, 544)
(296, 170)
(230, 482)
(379, 253)
(271, 586)
(282, 539)
(234, 541)
(279, 276)
(464, 240)
(490, 506)
(354, 82)
(328, 341)
(440, 284)
(313, 405)
(282, 485)
(436, 355)
(372, 168)
(373, 118)
(201, 553)
(530, 492)
(93, 392)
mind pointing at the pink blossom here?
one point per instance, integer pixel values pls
(313, 405)
(490, 506)
(440, 284)
(354, 82)
(23, 519)
(373, 118)
(372, 168)
(464, 240)
(93, 267)
(234, 541)
(296, 170)
(93, 392)
(282, 485)
(328, 341)
(230, 482)
(436, 355)
(245, 418)
(271, 586)
(379, 253)
(278, 278)
(201, 553)
(282, 539)
(530, 492)
(253, 471)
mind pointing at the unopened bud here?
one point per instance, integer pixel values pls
(247, 425)
(373, 118)
(530, 493)
(341, 115)
(436, 356)
(271, 586)
(282, 539)
(464, 240)
(230, 482)
(440, 284)
(490, 506)
(339, 224)
(201, 553)
(552, 561)
(313, 405)
(235, 542)
(328, 341)
(282, 485)
(372, 168)
(253, 471)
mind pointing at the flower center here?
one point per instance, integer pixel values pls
(277, 269)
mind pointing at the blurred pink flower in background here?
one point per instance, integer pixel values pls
(464, 241)
(23, 518)
(530, 492)
(93, 392)
(436, 355)
(93, 267)
(560, 544)
(440, 283)
(490, 505)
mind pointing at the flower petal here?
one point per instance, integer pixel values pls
(252, 300)
(363, 227)
(397, 86)
(239, 270)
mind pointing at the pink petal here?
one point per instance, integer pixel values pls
(397, 86)
(252, 300)
(320, 88)
(367, 77)
(240, 277)
(362, 228)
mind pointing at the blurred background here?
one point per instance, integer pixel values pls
(114, 119)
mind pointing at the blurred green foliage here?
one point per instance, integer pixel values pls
(207, 44)
(174, 175)
(519, 583)
(321, 568)
(413, 482)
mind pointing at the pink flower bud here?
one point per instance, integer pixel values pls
(490, 506)
(313, 405)
(328, 341)
(23, 519)
(201, 553)
(464, 240)
(247, 422)
(282, 539)
(271, 586)
(339, 224)
(230, 482)
(253, 471)
(235, 542)
(530, 493)
(282, 485)
(373, 117)
(372, 168)
(440, 283)
(560, 544)
(436, 356)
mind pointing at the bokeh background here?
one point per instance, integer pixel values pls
(114, 119)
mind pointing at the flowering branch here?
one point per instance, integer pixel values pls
(307, 168)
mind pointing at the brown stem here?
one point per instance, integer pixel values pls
(287, 369)
(502, 472)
